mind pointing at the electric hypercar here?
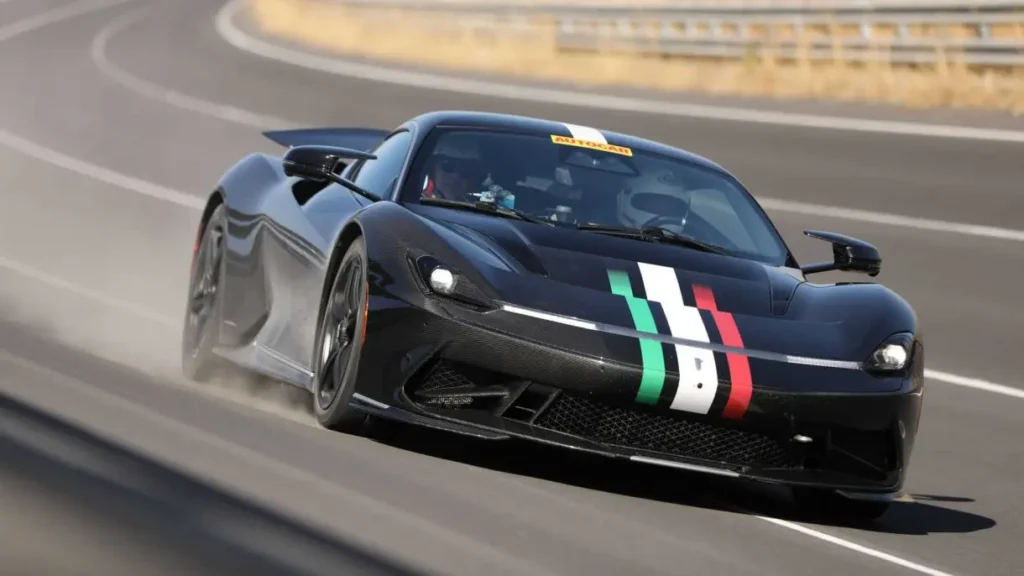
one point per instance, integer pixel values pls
(510, 277)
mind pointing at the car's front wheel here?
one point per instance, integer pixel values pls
(339, 343)
(203, 311)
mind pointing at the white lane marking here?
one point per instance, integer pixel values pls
(64, 161)
(891, 219)
(974, 383)
(698, 373)
(586, 133)
(234, 36)
(79, 290)
(855, 547)
(159, 93)
(56, 15)
(100, 173)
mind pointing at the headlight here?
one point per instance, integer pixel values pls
(442, 280)
(445, 281)
(892, 355)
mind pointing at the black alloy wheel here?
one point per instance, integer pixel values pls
(203, 312)
(340, 343)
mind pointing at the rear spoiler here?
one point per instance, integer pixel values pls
(365, 139)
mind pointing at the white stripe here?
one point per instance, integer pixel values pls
(882, 218)
(698, 375)
(54, 16)
(166, 95)
(549, 317)
(370, 401)
(974, 383)
(685, 466)
(855, 547)
(88, 293)
(55, 158)
(586, 133)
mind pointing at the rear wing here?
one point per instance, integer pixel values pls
(365, 139)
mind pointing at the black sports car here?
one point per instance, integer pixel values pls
(510, 277)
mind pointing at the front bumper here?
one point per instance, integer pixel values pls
(430, 369)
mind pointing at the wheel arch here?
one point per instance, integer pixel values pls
(369, 223)
(349, 232)
(215, 199)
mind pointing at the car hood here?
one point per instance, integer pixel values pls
(583, 259)
(568, 272)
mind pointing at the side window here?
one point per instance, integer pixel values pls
(713, 206)
(379, 176)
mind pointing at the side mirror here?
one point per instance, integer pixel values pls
(848, 254)
(320, 163)
(311, 162)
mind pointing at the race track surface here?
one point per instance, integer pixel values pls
(116, 118)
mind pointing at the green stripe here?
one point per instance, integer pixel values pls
(653, 378)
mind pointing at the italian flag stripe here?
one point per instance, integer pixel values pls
(653, 358)
(739, 366)
(698, 374)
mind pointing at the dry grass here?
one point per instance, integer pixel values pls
(428, 39)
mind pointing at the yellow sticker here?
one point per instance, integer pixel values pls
(567, 141)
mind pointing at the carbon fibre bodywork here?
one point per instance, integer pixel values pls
(541, 340)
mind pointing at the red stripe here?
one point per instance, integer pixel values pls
(739, 367)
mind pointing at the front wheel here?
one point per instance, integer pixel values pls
(339, 343)
(203, 310)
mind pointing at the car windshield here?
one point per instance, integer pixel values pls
(577, 184)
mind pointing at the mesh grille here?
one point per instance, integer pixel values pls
(442, 376)
(641, 430)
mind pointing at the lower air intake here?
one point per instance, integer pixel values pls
(641, 430)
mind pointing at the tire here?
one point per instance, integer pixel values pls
(203, 307)
(832, 505)
(339, 344)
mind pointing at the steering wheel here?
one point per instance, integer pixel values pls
(697, 229)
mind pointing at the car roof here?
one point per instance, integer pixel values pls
(499, 121)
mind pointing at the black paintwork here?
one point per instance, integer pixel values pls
(286, 234)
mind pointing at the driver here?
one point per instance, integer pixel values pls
(456, 170)
(659, 182)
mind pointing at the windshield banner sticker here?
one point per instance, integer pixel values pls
(568, 141)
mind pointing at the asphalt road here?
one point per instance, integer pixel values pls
(109, 464)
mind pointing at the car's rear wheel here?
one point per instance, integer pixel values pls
(203, 310)
(339, 343)
(831, 504)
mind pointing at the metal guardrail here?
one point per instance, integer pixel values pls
(976, 32)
